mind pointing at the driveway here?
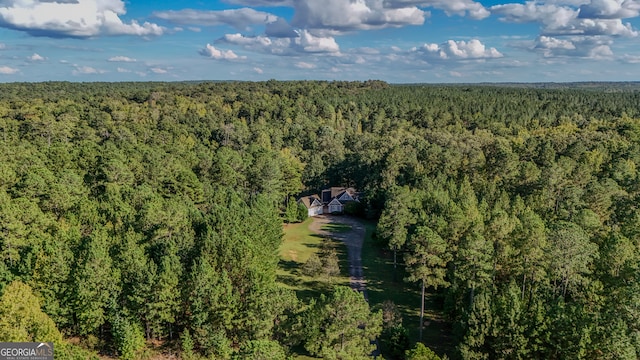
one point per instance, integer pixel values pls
(353, 239)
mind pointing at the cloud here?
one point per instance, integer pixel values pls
(158, 70)
(610, 9)
(600, 17)
(258, 70)
(279, 28)
(593, 27)
(474, 10)
(121, 59)
(86, 70)
(5, 70)
(459, 50)
(315, 44)
(217, 54)
(549, 15)
(574, 28)
(261, 2)
(238, 18)
(304, 65)
(631, 59)
(36, 57)
(348, 15)
(583, 47)
(81, 18)
(304, 42)
(2, 46)
(123, 70)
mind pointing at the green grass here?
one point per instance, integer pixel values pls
(336, 228)
(385, 283)
(298, 244)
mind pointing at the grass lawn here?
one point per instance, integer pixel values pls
(385, 283)
(298, 244)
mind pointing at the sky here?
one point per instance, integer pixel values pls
(398, 41)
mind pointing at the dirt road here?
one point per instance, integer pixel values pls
(353, 239)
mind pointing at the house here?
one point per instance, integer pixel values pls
(331, 200)
(313, 204)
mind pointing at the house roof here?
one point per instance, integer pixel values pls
(308, 200)
(337, 192)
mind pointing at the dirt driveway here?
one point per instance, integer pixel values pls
(353, 239)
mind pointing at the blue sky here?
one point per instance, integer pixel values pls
(399, 41)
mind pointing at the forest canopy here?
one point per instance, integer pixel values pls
(153, 211)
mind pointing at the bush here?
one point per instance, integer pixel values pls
(394, 342)
(129, 338)
(313, 266)
(354, 208)
(262, 350)
(330, 263)
(421, 352)
(303, 213)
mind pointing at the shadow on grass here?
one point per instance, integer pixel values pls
(289, 265)
(336, 227)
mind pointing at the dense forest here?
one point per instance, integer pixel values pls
(138, 214)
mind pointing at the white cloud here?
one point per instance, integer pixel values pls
(600, 17)
(304, 65)
(121, 59)
(217, 54)
(6, 70)
(473, 49)
(258, 70)
(238, 18)
(79, 18)
(549, 15)
(304, 42)
(261, 2)
(316, 44)
(2, 46)
(158, 70)
(346, 15)
(613, 27)
(574, 28)
(247, 41)
(610, 9)
(36, 57)
(631, 59)
(86, 70)
(473, 9)
(578, 46)
(123, 70)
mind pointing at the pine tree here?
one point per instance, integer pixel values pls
(426, 262)
(341, 326)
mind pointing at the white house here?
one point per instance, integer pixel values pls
(313, 204)
(332, 200)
